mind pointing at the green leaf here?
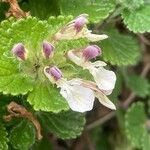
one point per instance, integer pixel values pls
(146, 141)
(97, 9)
(3, 138)
(43, 8)
(119, 49)
(11, 81)
(139, 85)
(134, 123)
(46, 97)
(138, 20)
(132, 4)
(22, 136)
(65, 125)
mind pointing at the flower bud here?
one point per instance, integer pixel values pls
(91, 52)
(54, 72)
(47, 49)
(19, 51)
(80, 22)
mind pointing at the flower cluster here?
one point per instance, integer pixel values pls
(80, 94)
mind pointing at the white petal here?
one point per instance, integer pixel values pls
(74, 58)
(104, 79)
(105, 101)
(108, 92)
(96, 37)
(79, 98)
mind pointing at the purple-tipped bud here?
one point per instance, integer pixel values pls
(47, 49)
(54, 72)
(91, 52)
(79, 23)
(19, 51)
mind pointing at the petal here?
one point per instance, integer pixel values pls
(96, 37)
(103, 99)
(104, 79)
(79, 98)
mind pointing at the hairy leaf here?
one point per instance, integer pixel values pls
(146, 141)
(119, 49)
(22, 136)
(3, 138)
(138, 85)
(46, 97)
(65, 125)
(134, 122)
(138, 20)
(97, 9)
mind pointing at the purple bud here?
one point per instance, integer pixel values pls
(91, 52)
(79, 23)
(19, 51)
(47, 49)
(54, 72)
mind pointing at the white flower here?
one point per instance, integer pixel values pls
(79, 98)
(104, 78)
(76, 29)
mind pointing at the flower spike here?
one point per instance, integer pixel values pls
(19, 51)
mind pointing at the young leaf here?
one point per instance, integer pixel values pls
(138, 20)
(134, 123)
(3, 138)
(138, 85)
(97, 9)
(22, 136)
(119, 49)
(65, 125)
(46, 97)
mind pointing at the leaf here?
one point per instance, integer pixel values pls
(43, 9)
(134, 123)
(22, 136)
(119, 49)
(145, 141)
(3, 138)
(132, 4)
(65, 125)
(46, 97)
(138, 20)
(97, 9)
(139, 85)
(10, 79)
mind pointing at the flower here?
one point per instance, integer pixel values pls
(79, 98)
(19, 51)
(48, 49)
(104, 78)
(76, 29)
(79, 94)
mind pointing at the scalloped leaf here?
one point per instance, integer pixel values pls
(119, 49)
(146, 141)
(138, 85)
(46, 97)
(138, 20)
(132, 4)
(134, 123)
(22, 136)
(11, 81)
(65, 125)
(3, 138)
(97, 9)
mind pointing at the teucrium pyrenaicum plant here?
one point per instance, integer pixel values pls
(30, 47)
